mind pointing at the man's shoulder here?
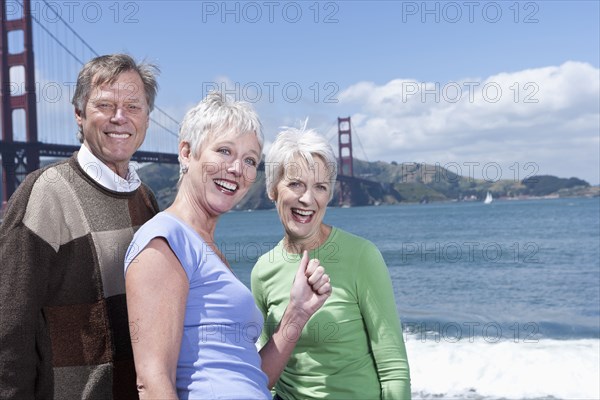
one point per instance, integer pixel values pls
(40, 191)
(47, 177)
(148, 197)
(146, 189)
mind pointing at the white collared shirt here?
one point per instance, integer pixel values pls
(107, 178)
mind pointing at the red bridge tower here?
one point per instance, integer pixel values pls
(18, 158)
(345, 157)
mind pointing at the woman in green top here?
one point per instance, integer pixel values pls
(352, 348)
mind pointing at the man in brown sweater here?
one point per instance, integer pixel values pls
(64, 331)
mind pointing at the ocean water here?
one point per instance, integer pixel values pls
(498, 301)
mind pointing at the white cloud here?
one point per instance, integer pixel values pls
(546, 116)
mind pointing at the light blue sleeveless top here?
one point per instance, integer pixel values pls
(218, 357)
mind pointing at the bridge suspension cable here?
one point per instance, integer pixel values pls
(355, 134)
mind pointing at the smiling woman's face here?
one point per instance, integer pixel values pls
(301, 197)
(224, 171)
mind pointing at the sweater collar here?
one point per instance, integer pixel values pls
(104, 176)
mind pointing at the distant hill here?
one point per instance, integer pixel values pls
(544, 185)
(162, 179)
(392, 183)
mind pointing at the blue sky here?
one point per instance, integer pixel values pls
(493, 89)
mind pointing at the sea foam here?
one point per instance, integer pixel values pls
(477, 369)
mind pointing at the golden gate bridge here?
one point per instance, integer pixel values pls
(36, 116)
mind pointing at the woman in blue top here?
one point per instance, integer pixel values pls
(194, 325)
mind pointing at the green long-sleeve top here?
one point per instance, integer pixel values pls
(352, 348)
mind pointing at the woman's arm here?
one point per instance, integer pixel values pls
(157, 288)
(310, 289)
(378, 309)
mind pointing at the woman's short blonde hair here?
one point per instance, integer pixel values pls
(294, 142)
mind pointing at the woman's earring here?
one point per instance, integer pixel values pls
(184, 168)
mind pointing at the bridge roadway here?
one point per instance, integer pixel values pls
(65, 151)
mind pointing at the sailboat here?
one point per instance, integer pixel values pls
(488, 198)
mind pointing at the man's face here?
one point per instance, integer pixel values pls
(116, 120)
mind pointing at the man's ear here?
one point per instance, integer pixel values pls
(78, 117)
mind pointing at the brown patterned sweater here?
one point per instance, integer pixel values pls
(64, 331)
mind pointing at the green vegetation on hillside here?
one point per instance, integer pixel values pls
(393, 183)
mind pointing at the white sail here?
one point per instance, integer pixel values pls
(488, 198)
